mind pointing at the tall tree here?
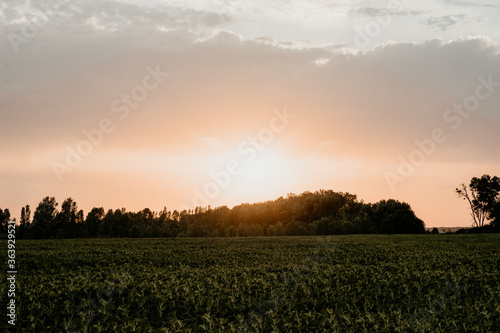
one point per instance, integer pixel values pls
(93, 220)
(44, 218)
(4, 220)
(25, 221)
(482, 196)
(66, 220)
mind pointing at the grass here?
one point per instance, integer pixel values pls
(397, 283)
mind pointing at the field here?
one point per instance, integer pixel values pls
(376, 283)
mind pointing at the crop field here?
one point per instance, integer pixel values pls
(375, 283)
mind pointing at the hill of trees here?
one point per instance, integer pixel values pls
(324, 212)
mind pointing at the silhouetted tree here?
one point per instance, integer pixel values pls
(495, 216)
(115, 224)
(394, 217)
(482, 196)
(44, 218)
(24, 223)
(322, 213)
(4, 220)
(106, 226)
(92, 222)
(68, 219)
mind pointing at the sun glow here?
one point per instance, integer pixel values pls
(263, 177)
(262, 169)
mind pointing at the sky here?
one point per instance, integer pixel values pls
(191, 103)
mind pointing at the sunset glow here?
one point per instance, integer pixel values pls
(185, 103)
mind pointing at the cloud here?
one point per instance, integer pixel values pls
(113, 16)
(475, 4)
(443, 23)
(221, 35)
(222, 88)
(394, 91)
(374, 12)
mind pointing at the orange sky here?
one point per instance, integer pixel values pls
(195, 107)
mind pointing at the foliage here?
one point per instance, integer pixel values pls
(394, 217)
(319, 213)
(482, 196)
(357, 283)
(495, 215)
(44, 219)
(4, 219)
(24, 223)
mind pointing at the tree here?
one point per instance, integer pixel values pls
(44, 218)
(67, 220)
(4, 220)
(93, 220)
(321, 212)
(25, 221)
(394, 217)
(495, 215)
(482, 196)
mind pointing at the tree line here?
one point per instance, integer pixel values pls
(323, 212)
